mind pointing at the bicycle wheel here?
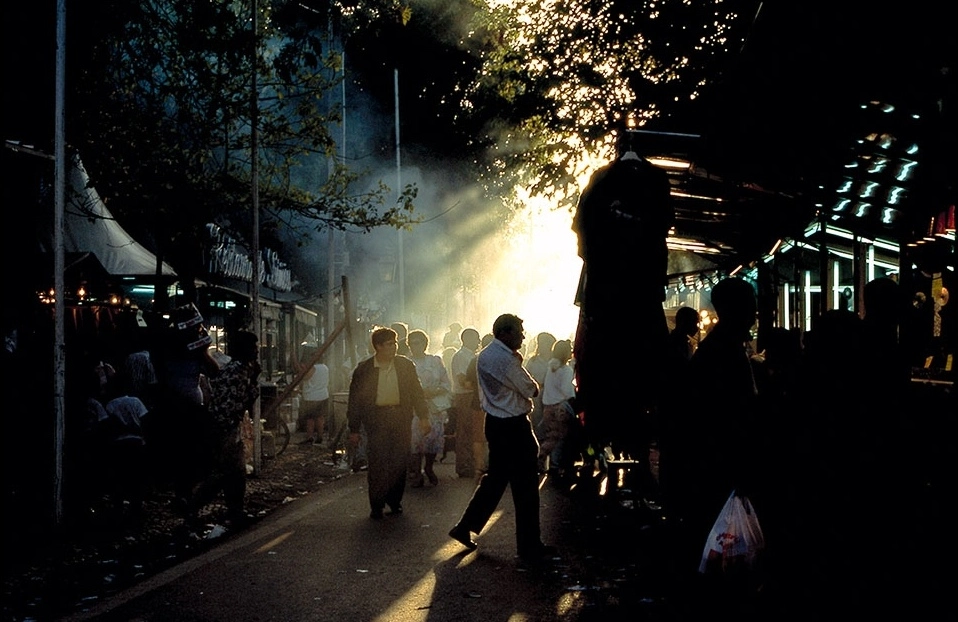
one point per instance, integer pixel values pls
(282, 435)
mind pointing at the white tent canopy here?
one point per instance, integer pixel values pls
(90, 227)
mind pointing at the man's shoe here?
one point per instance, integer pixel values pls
(463, 537)
(376, 514)
(395, 510)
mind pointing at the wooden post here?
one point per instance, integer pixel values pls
(301, 374)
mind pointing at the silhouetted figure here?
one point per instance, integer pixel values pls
(233, 391)
(681, 343)
(448, 352)
(714, 444)
(622, 221)
(885, 416)
(830, 366)
(463, 394)
(560, 436)
(429, 437)
(776, 366)
(476, 416)
(451, 338)
(384, 395)
(885, 436)
(537, 364)
(883, 355)
(822, 461)
(680, 346)
(182, 426)
(402, 334)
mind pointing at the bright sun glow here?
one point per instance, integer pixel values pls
(531, 267)
(539, 269)
(479, 267)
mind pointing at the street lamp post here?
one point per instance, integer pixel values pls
(400, 258)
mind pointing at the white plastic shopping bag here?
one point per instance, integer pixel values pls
(736, 541)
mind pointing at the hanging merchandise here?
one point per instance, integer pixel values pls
(189, 328)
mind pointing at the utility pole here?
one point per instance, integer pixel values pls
(59, 305)
(254, 286)
(400, 255)
(331, 232)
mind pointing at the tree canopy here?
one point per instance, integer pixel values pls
(525, 93)
(162, 115)
(560, 77)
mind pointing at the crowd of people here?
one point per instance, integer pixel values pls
(815, 427)
(728, 438)
(167, 411)
(729, 417)
(163, 414)
(795, 422)
(805, 424)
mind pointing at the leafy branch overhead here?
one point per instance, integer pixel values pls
(558, 77)
(525, 94)
(162, 117)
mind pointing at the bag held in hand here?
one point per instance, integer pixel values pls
(736, 543)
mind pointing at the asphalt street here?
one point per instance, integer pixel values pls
(323, 558)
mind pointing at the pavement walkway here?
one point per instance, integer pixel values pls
(322, 558)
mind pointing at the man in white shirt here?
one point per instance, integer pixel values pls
(315, 405)
(505, 391)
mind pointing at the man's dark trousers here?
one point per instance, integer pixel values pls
(513, 461)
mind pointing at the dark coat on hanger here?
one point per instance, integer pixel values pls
(622, 221)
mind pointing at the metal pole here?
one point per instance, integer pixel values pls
(824, 273)
(400, 258)
(59, 178)
(254, 253)
(331, 237)
(859, 272)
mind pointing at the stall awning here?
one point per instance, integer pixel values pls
(90, 227)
